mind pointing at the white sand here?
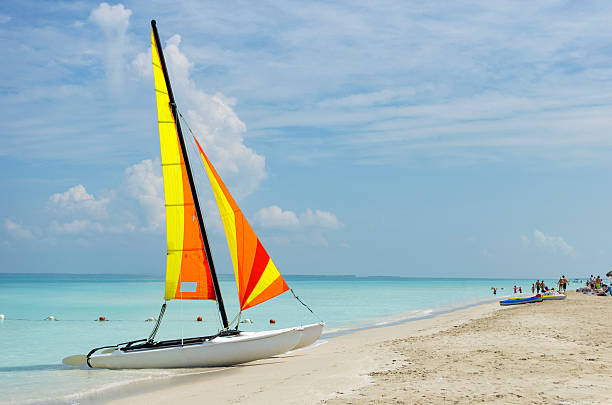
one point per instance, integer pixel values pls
(548, 352)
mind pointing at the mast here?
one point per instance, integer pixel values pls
(211, 265)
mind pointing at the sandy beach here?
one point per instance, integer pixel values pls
(554, 352)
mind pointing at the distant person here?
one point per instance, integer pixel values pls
(515, 289)
(533, 288)
(564, 283)
(538, 285)
(520, 290)
(598, 283)
(494, 291)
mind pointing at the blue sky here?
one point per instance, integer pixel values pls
(401, 138)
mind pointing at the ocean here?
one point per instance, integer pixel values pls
(32, 347)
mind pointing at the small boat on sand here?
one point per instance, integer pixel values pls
(520, 300)
(547, 297)
(190, 270)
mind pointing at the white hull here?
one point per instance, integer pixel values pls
(220, 351)
(310, 335)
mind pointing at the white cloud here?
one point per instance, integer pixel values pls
(114, 22)
(112, 19)
(547, 242)
(142, 63)
(213, 120)
(144, 183)
(321, 219)
(77, 198)
(141, 196)
(77, 226)
(16, 230)
(276, 217)
(369, 99)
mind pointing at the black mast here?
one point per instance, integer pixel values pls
(196, 203)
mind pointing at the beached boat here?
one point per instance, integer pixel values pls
(547, 297)
(520, 300)
(190, 271)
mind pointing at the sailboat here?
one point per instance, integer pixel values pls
(190, 270)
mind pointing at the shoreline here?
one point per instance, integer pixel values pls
(124, 389)
(315, 359)
(359, 365)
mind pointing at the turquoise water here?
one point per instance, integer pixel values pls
(32, 348)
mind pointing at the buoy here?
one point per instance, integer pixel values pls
(150, 319)
(50, 318)
(199, 319)
(1, 317)
(102, 319)
(272, 321)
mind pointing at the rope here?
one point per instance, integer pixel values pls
(307, 307)
(236, 319)
(159, 319)
(185, 121)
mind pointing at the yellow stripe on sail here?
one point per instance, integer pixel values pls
(173, 178)
(268, 276)
(227, 216)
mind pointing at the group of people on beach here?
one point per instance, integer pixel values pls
(541, 287)
(595, 286)
(594, 283)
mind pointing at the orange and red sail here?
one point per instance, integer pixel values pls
(188, 273)
(257, 277)
(187, 270)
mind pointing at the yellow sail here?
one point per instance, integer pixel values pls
(257, 277)
(187, 269)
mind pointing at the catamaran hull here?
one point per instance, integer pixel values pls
(218, 352)
(310, 335)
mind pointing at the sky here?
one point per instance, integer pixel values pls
(416, 139)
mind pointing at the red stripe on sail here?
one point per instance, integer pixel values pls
(277, 287)
(259, 265)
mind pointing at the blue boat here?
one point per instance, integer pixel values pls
(521, 300)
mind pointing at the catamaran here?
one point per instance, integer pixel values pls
(190, 271)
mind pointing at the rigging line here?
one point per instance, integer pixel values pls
(302, 302)
(159, 319)
(236, 318)
(185, 121)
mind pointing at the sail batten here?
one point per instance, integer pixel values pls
(257, 277)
